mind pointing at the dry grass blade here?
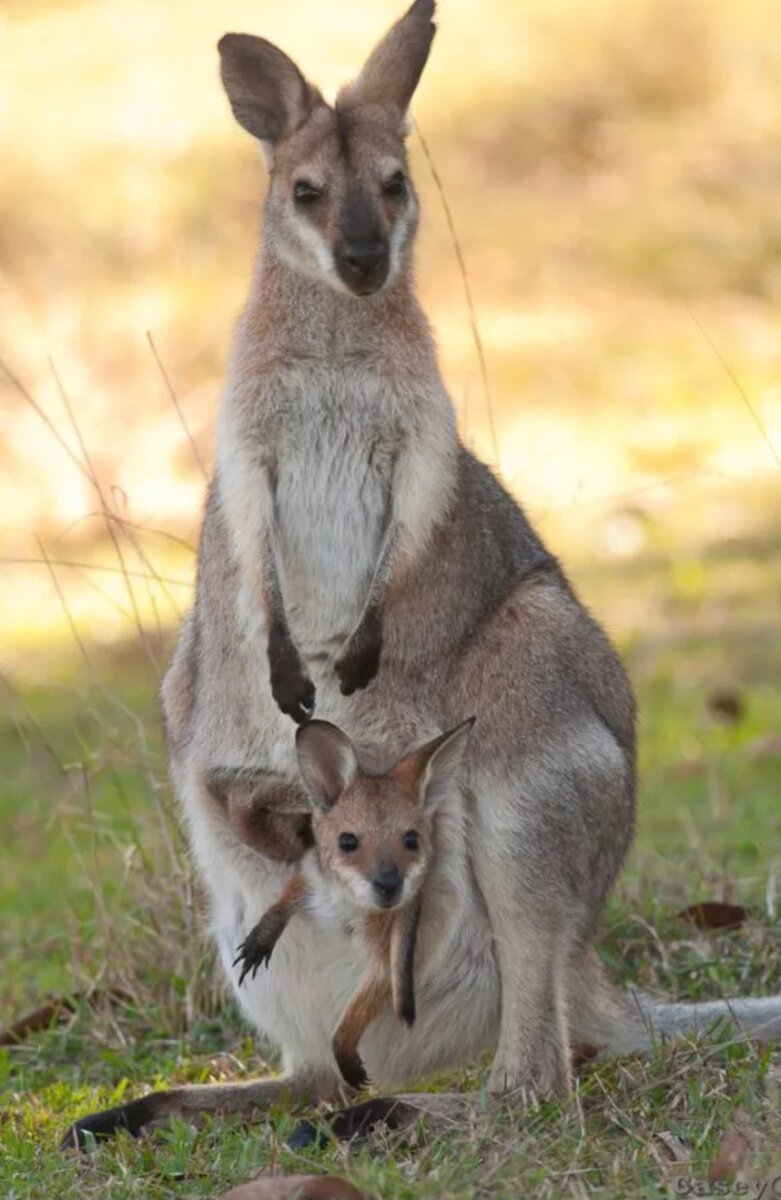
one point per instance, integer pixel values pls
(41, 413)
(738, 387)
(65, 607)
(177, 406)
(141, 526)
(33, 723)
(106, 507)
(467, 292)
(48, 561)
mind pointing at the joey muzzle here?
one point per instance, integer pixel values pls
(387, 884)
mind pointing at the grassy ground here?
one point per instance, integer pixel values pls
(613, 176)
(96, 892)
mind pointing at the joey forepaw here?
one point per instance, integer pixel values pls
(253, 953)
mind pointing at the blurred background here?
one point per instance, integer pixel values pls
(612, 172)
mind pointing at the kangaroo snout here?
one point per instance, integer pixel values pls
(363, 264)
(387, 884)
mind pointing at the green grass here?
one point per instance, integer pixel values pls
(95, 890)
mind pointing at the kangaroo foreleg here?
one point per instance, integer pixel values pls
(359, 659)
(291, 687)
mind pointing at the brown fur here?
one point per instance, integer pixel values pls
(270, 830)
(381, 812)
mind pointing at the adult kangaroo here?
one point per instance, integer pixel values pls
(355, 556)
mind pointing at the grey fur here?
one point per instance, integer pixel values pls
(338, 451)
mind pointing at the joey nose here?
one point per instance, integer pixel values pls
(363, 264)
(387, 885)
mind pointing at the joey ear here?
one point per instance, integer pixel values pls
(393, 69)
(268, 94)
(326, 760)
(432, 769)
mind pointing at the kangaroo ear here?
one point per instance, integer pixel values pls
(394, 67)
(268, 94)
(326, 760)
(432, 770)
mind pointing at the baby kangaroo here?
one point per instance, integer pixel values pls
(373, 845)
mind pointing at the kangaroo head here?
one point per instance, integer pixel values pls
(374, 834)
(341, 206)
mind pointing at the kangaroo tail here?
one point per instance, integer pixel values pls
(755, 1019)
(623, 1023)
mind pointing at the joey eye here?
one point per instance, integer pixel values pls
(411, 840)
(348, 842)
(396, 186)
(306, 193)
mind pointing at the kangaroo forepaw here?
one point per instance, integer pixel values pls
(291, 687)
(253, 953)
(359, 659)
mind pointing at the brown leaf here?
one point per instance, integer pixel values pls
(582, 1053)
(57, 1010)
(729, 1157)
(687, 768)
(726, 704)
(768, 746)
(302, 1187)
(676, 1150)
(714, 914)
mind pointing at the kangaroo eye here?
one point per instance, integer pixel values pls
(348, 842)
(396, 186)
(306, 193)
(411, 840)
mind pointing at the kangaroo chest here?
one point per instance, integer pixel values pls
(333, 482)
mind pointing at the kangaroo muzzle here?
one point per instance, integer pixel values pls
(363, 264)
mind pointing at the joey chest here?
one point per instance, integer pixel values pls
(328, 904)
(333, 469)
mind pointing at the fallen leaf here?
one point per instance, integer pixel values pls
(677, 1151)
(726, 704)
(687, 768)
(582, 1053)
(729, 1157)
(768, 746)
(302, 1187)
(714, 914)
(56, 1010)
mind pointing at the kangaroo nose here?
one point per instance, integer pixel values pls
(363, 265)
(387, 885)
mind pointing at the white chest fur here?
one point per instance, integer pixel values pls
(333, 492)
(314, 452)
